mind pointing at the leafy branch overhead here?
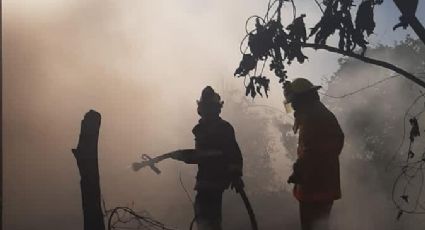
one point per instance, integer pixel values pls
(337, 17)
(271, 40)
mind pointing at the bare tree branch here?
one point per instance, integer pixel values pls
(408, 9)
(367, 60)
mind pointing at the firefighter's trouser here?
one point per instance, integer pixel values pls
(315, 215)
(208, 209)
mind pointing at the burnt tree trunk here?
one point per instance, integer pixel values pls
(87, 161)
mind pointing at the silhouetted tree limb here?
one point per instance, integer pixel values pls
(123, 217)
(87, 160)
(272, 42)
(367, 60)
(408, 9)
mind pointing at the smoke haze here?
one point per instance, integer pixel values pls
(142, 65)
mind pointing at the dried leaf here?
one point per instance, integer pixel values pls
(414, 131)
(410, 154)
(399, 214)
(247, 64)
(405, 198)
(365, 17)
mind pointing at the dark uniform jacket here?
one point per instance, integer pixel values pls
(217, 172)
(320, 143)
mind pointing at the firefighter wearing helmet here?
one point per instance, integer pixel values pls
(221, 165)
(316, 170)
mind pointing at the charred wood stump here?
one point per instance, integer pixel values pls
(87, 161)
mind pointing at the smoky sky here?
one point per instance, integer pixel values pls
(142, 65)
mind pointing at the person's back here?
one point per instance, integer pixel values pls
(217, 134)
(316, 171)
(218, 157)
(320, 143)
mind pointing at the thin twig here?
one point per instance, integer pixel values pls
(367, 60)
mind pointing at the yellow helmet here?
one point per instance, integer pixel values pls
(297, 87)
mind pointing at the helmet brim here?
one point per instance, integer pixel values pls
(207, 102)
(295, 94)
(315, 87)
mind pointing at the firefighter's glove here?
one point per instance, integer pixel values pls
(294, 178)
(237, 184)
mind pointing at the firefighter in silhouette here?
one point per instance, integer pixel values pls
(316, 170)
(218, 157)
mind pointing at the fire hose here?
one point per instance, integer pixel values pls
(148, 161)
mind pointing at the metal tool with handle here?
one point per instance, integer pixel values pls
(186, 155)
(148, 161)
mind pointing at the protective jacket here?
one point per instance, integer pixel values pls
(320, 143)
(217, 172)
